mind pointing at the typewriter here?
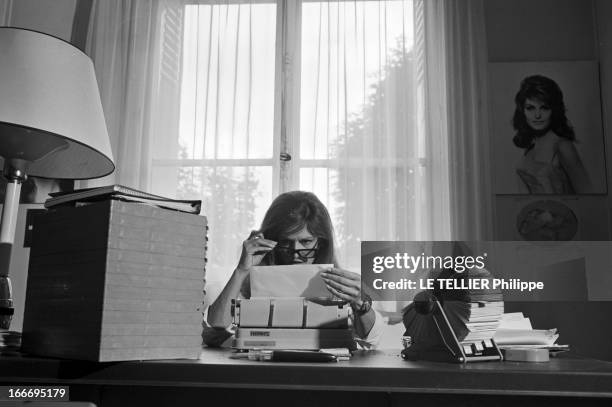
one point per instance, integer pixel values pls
(290, 323)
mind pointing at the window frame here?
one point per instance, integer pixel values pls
(285, 92)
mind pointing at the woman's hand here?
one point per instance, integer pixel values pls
(254, 250)
(347, 286)
(344, 284)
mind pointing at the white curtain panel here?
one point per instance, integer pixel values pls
(124, 40)
(469, 148)
(366, 130)
(225, 152)
(431, 42)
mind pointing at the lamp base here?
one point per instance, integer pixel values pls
(14, 174)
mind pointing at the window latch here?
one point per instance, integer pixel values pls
(285, 157)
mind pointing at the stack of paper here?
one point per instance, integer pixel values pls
(116, 281)
(474, 321)
(474, 314)
(532, 338)
(515, 320)
(515, 331)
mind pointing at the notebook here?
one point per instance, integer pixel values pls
(123, 193)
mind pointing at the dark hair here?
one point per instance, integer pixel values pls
(291, 212)
(547, 91)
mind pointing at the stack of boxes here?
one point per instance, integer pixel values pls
(114, 280)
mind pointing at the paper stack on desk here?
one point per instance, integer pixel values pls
(516, 331)
(115, 281)
(474, 321)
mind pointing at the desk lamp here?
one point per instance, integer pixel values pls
(51, 126)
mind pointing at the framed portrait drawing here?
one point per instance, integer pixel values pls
(546, 124)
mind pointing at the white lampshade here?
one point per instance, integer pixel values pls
(50, 111)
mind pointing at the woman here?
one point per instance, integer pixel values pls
(550, 164)
(295, 229)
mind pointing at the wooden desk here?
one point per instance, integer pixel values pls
(370, 378)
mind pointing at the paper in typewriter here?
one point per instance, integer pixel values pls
(297, 280)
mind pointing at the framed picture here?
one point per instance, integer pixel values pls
(550, 140)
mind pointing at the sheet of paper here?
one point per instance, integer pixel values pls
(526, 337)
(515, 320)
(297, 280)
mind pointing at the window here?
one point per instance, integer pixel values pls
(322, 96)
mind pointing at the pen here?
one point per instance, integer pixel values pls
(302, 356)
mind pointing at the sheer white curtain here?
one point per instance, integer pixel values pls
(468, 137)
(451, 44)
(369, 145)
(227, 147)
(126, 42)
(393, 97)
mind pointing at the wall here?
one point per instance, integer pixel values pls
(561, 30)
(603, 17)
(540, 30)
(50, 17)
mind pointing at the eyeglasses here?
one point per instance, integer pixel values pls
(286, 254)
(302, 253)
